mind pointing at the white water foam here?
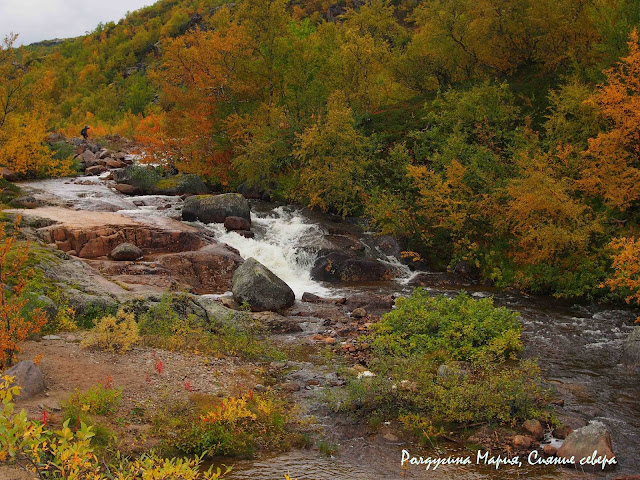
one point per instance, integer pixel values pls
(278, 244)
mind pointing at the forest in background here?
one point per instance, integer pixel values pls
(505, 133)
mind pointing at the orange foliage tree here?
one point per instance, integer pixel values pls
(14, 326)
(197, 75)
(613, 157)
(626, 268)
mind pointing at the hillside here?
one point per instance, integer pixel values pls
(434, 118)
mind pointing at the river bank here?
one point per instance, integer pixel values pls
(579, 347)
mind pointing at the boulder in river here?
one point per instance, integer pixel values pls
(337, 267)
(237, 223)
(583, 442)
(127, 189)
(215, 208)
(126, 251)
(28, 376)
(180, 184)
(261, 288)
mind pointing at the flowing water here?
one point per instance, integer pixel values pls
(578, 346)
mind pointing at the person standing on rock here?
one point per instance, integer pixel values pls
(85, 133)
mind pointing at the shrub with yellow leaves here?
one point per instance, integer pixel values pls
(114, 334)
(65, 454)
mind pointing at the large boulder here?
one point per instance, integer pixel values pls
(337, 267)
(180, 184)
(126, 251)
(215, 208)
(583, 442)
(90, 159)
(260, 288)
(86, 303)
(28, 376)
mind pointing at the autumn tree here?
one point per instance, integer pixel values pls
(626, 268)
(15, 326)
(544, 215)
(333, 160)
(613, 157)
(198, 77)
(24, 119)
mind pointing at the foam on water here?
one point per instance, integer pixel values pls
(278, 244)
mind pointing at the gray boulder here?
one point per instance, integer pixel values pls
(340, 267)
(28, 376)
(89, 158)
(584, 441)
(180, 184)
(260, 288)
(126, 251)
(215, 208)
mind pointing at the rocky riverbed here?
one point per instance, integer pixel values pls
(340, 277)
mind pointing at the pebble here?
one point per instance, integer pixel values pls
(259, 388)
(549, 450)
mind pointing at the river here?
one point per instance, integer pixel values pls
(578, 346)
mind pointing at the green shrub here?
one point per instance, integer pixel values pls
(143, 177)
(170, 324)
(424, 332)
(461, 328)
(97, 400)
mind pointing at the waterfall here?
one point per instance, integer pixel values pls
(281, 243)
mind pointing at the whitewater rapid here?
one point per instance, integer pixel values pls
(281, 241)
